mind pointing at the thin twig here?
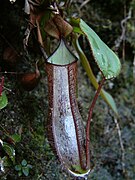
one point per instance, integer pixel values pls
(121, 145)
(10, 90)
(5, 131)
(68, 4)
(84, 4)
(33, 3)
(123, 23)
(10, 45)
(43, 53)
(16, 73)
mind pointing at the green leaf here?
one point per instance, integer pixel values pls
(24, 162)
(7, 161)
(20, 173)
(107, 97)
(77, 30)
(107, 61)
(75, 24)
(29, 166)
(18, 167)
(10, 151)
(16, 138)
(3, 100)
(25, 171)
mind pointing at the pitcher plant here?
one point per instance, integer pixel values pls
(66, 132)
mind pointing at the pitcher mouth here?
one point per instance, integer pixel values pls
(61, 65)
(82, 175)
(62, 55)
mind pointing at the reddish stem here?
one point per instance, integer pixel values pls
(88, 123)
(1, 85)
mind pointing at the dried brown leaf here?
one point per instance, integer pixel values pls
(58, 27)
(30, 80)
(63, 26)
(52, 29)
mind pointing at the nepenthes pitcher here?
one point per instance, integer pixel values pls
(65, 122)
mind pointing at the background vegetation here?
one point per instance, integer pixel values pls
(23, 120)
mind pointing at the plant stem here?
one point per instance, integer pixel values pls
(88, 123)
(43, 52)
(1, 85)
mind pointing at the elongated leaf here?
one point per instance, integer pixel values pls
(107, 97)
(16, 138)
(105, 58)
(25, 171)
(7, 162)
(3, 100)
(10, 151)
